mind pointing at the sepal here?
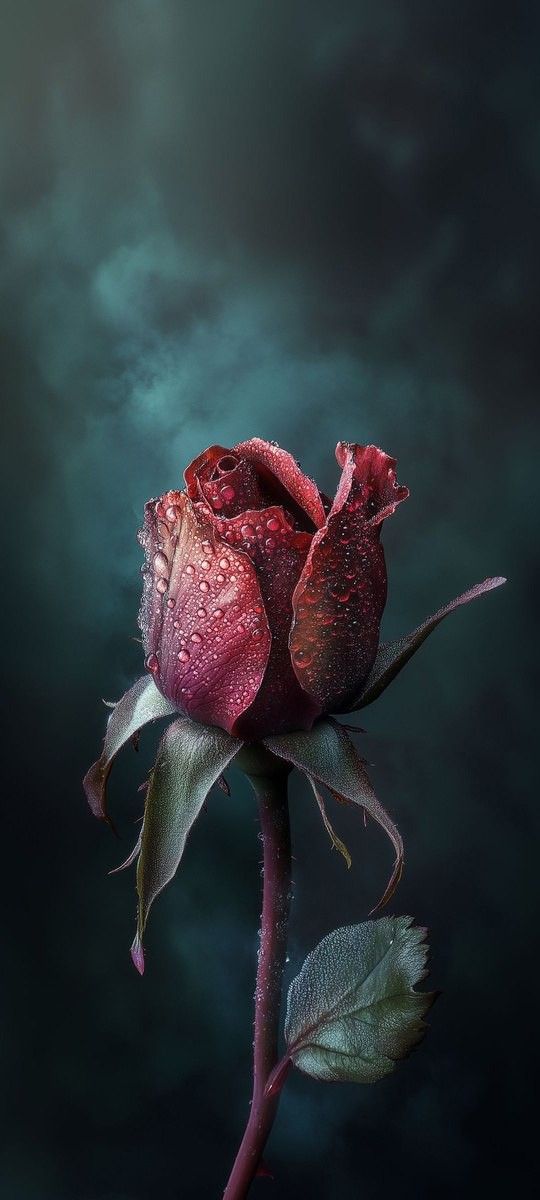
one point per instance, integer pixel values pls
(392, 656)
(141, 704)
(191, 758)
(327, 755)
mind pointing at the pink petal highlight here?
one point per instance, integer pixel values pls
(137, 954)
(204, 626)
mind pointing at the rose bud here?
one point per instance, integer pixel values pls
(262, 603)
(261, 610)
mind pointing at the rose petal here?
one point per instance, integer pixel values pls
(279, 467)
(278, 553)
(201, 468)
(232, 492)
(204, 628)
(339, 600)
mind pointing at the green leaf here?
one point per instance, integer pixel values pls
(327, 754)
(352, 1012)
(142, 703)
(392, 656)
(191, 757)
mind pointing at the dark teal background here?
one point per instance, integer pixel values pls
(305, 221)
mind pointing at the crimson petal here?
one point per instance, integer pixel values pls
(340, 597)
(277, 464)
(204, 628)
(278, 553)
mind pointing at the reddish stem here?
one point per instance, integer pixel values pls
(271, 792)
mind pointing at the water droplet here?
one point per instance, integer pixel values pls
(162, 585)
(272, 524)
(172, 512)
(220, 579)
(152, 663)
(190, 570)
(207, 548)
(270, 543)
(248, 531)
(241, 628)
(303, 658)
(183, 655)
(257, 634)
(217, 613)
(201, 612)
(196, 637)
(228, 493)
(204, 586)
(161, 563)
(205, 564)
(217, 503)
(171, 602)
(224, 564)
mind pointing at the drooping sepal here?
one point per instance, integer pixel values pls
(191, 758)
(352, 1012)
(141, 704)
(393, 656)
(327, 755)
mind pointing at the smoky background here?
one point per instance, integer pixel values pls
(306, 222)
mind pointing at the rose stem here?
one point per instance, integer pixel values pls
(271, 791)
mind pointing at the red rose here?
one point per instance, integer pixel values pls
(262, 602)
(261, 611)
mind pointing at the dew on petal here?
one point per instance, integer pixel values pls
(217, 613)
(303, 658)
(152, 663)
(196, 638)
(184, 655)
(161, 563)
(205, 564)
(227, 492)
(190, 570)
(162, 585)
(224, 564)
(204, 586)
(201, 612)
(248, 531)
(171, 602)
(272, 524)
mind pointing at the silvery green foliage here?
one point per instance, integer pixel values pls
(352, 1012)
(190, 759)
(393, 656)
(140, 704)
